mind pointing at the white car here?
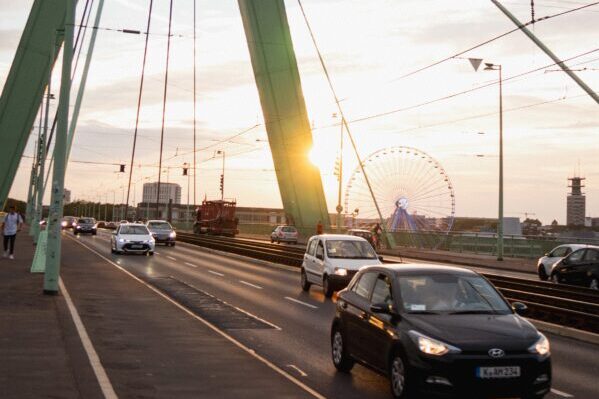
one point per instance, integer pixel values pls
(545, 263)
(331, 260)
(284, 234)
(132, 238)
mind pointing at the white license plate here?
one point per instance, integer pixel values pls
(136, 246)
(498, 372)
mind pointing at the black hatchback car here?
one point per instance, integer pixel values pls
(581, 267)
(439, 330)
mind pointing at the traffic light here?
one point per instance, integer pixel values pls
(222, 183)
(184, 171)
(122, 169)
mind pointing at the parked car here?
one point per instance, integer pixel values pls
(68, 222)
(439, 330)
(546, 262)
(132, 238)
(111, 225)
(366, 234)
(102, 224)
(581, 267)
(85, 226)
(331, 260)
(284, 234)
(162, 231)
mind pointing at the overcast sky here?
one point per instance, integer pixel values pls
(550, 125)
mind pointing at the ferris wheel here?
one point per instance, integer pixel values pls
(414, 194)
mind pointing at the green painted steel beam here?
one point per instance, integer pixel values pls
(25, 85)
(287, 124)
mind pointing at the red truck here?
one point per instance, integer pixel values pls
(216, 218)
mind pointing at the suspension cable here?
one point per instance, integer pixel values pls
(141, 88)
(168, 51)
(194, 104)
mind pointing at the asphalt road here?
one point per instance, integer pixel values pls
(300, 343)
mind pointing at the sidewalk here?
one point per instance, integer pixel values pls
(149, 347)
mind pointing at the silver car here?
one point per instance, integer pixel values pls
(132, 238)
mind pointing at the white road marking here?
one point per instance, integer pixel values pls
(300, 371)
(237, 343)
(92, 355)
(250, 284)
(191, 264)
(216, 273)
(156, 253)
(300, 302)
(171, 258)
(562, 394)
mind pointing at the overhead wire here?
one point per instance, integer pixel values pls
(139, 97)
(195, 182)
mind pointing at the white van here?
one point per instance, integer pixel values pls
(331, 260)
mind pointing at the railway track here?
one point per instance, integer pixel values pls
(575, 307)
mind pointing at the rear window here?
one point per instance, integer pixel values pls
(134, 230)
(289, 229)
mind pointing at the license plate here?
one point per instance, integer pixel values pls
(498, 372)
(136, 246)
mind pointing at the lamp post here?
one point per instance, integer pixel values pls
(339, 207)
(222, 176)
(497, 67)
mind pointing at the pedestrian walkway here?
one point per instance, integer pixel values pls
(148, 346)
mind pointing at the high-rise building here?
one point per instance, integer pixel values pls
(576, 206)
(168, 191)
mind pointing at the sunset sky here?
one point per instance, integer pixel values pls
(550, 124)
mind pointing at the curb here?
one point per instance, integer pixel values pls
(568, 332)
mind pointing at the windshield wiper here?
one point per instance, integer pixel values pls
(422, 312)
(480, 311)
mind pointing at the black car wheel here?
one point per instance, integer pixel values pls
(594, 285)
(326, 286)
(304, 281)
(341, 359)
(542, 273)
(397, 376)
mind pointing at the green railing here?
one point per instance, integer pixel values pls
(485, 243)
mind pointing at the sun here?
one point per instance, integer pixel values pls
(323, 153)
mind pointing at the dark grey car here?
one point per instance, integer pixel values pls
(85, 226)
(162, 231)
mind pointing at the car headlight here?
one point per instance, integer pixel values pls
(339, 271)
(121, 240)
(432, 346)
(541, 347)
(172, 234)
(63, 224)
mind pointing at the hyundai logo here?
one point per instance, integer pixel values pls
(496, 352)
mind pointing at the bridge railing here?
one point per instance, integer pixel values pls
(516, 246)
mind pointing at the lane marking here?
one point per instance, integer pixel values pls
(300, 371)
(92, 355)
(250, 284)
(191, 264)
(301, 302)
(171, 258)
(237, 343)
(560, 393)
(216, 273)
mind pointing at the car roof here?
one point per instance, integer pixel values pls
(579, 246)
(413, 269)
(339, 237)
(157, 221)
(361, 230)
(135, 224)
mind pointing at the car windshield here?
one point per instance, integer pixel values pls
(453, 294)
(350, 249)
(134, 230)
(159, 226)
(85, 221)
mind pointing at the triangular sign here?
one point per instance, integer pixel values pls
(475, 62)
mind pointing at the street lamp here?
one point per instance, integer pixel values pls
(339, 167)
(222, 176)
(497, 67)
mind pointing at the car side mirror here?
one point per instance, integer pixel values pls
(565, 261)
(519, 308)
(380, 258)
(319, 256)
(380, 308)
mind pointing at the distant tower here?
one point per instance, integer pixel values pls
(576, 202)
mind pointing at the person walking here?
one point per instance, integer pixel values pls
(10, 227)
(319, 228)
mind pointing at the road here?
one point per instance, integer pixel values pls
(299, 343)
